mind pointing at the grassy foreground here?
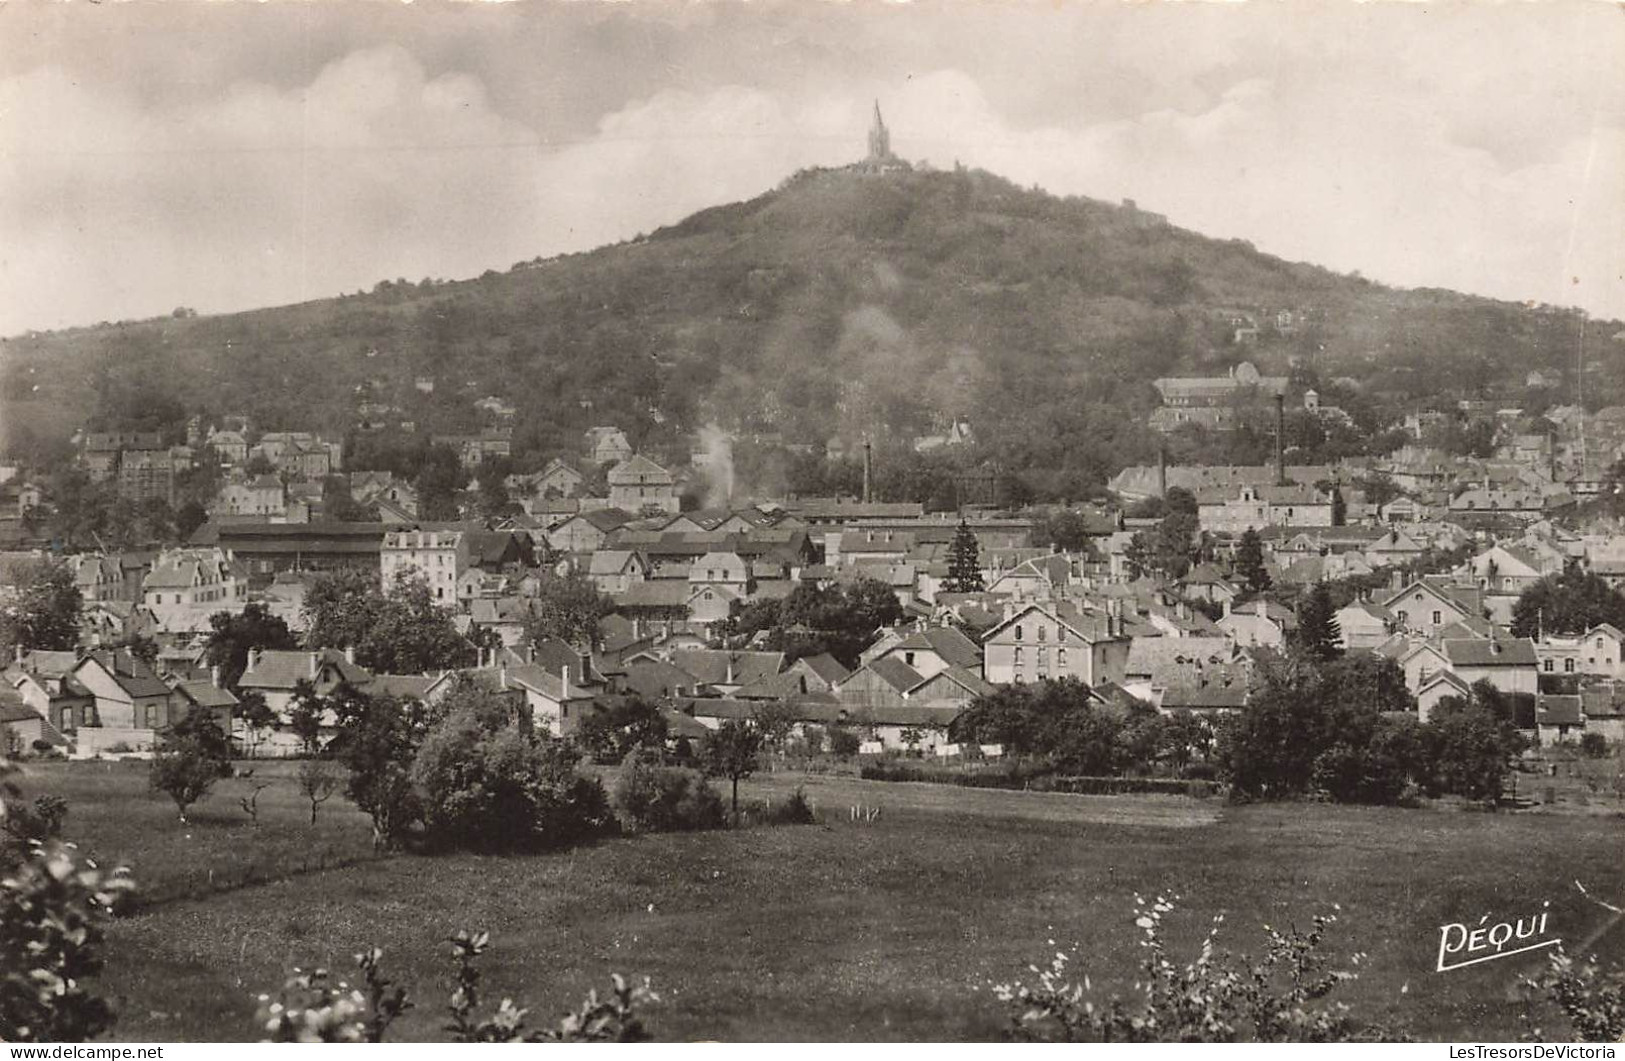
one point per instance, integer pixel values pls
(891, 929)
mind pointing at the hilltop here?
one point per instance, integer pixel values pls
(836, 305)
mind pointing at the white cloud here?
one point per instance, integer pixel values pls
(117, 204)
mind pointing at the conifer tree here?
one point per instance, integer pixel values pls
(1250, 567)
(964, 563)
(1318, 633)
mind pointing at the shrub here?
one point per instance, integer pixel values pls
(1594, 745)
(1591, 999)
(1215, 998)
(843, 741)
(25, 825)
(52, 911)
(654, 799)
(312, 1007)
(489, 782)
(797, 810)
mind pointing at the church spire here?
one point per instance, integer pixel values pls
(879, 138)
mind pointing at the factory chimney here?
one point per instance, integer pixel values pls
(1162, 469)
(868, 471)
(1280, 440)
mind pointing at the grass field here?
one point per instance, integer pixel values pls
(890, 930)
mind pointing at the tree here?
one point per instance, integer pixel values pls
(45, 612)
(620, 727)
(1340, 507)
(568, 608)
(405, 632)
(1570, 603)
(231, 637)
(1065, 530)
(731, 751)
(256, 716)
(318, 780)
(489, 782)
(377, 740)
(1255, 577)
(191, 756)
(964, 563)
(306, 714)
(1318, 633)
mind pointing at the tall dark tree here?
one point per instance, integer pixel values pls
(232, 636)
(964, 563)
(1340, 508)
(1255, 577)
(1570, 603)
(1318, 633)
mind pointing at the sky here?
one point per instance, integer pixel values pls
(235, 154)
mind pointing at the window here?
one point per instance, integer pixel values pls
(908, 657)
(1547, 666)
(1043, 660)
(1437, 618)
(1018, 633)
(1060, 658)
(1043, 631)
(1060, 633)
(1018, 656)
(1568, 666)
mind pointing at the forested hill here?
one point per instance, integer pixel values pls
(836, 305)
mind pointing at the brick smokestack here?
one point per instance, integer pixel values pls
(1162, 469)
(868, 471)
(1280, 440)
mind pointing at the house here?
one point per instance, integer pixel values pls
(613, 570)
(586, 532)
(934, 650)
(24, 730)
(1254, 507)
(1362, 625)
(1419, 661)
(98, 577)
(261, 497)
(723, 671)
(1604, 708)
(1055, 640)
(639, 484)
(1426, 606)
(1510, 569)
(559, 479)
(1258, 623)
(725, 569)
(1439, 686)
(231, 446)
(1158, 666)
(708, 605)
(132, 703)
(45, 682)
(277, 674)
(883, 683)
(438, 557)
(1508, 664)
(1559, 719)
(607, 445)
(187, 586)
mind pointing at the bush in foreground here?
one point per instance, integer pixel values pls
(314, 1008)
(1215, 998)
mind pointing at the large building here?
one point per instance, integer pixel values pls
(639, 484)
(1213, 401)
(439, 557)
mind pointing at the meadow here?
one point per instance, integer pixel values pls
(891, 929)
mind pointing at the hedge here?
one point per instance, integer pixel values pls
(1036, 780)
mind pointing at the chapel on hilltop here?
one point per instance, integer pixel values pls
(880, 159)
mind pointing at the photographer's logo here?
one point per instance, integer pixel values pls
(1463, 945)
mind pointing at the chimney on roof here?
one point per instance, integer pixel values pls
(315, 665)
(214, 675)
(18, 652)
(253, 659)
(564, 679)
(349, 654)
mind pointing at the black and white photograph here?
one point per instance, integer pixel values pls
(873, 521)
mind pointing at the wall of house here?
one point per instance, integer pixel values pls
(1506, 679)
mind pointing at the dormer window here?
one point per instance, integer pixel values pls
(1018, 637)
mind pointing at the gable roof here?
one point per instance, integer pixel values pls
(283, 669)
(1475, 652)
(1554, 710)
(894, 672)
(1449, 678)
(955, 648)
(825, 666)
(712, 666)
(639, 469)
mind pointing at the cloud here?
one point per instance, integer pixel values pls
(1461, 154)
